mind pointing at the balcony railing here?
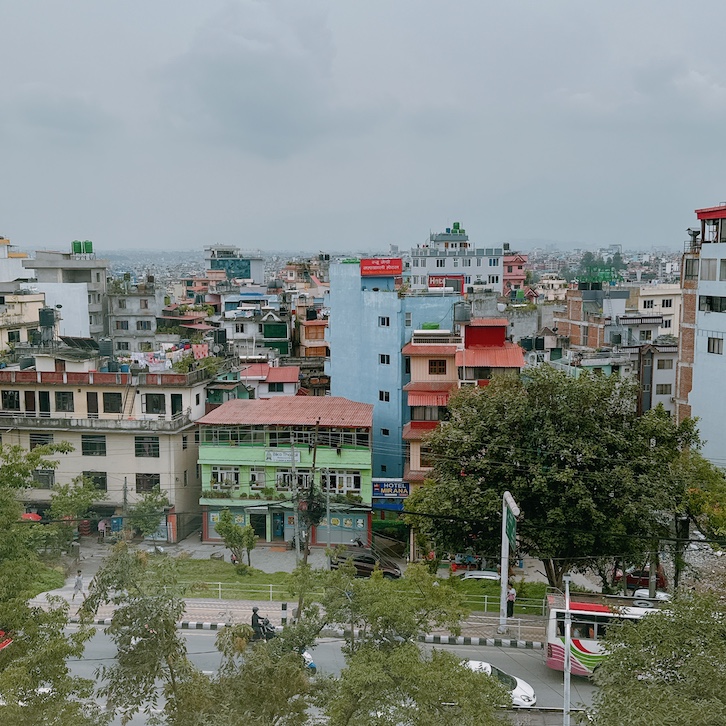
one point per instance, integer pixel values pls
(97, 378)
(70, 421)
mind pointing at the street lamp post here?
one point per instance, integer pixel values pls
(568, 651)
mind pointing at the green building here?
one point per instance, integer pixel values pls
(261, 458)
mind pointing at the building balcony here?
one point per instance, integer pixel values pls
(96, 378)
(163, 423)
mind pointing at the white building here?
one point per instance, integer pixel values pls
(659, 299)
(450, 260)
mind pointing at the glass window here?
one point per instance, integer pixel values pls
(440, 263)
(99, 479)
(122, 303)
(93, 445)
(185, 443)
(343, 482)
(437, 367)
(715, 345)
(384, 396)
(691, 270)
(64, 401)
(665, 364)
(663, 389)
(44, 478)
(384, 359)
(144, 304)
(143, 325)
(40, 440)
(146, 446)
(225, 477)
(257, 479)
(275, 387)
(385, 432)
(122, 345)
(647, 304)
(11, 400)
(668, 302)
(153, 403)
(112, 402)
(13, 336)
(147, 482)
(122, 325)
(408, 319)
(708, 269)
(384, 321)
(722, 270)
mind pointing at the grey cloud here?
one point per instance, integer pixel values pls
(259, 77)
(45, 114)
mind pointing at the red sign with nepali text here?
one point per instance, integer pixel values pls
(377, 266)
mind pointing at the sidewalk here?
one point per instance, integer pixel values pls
(213, 614)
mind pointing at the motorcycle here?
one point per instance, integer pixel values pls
(269, 631)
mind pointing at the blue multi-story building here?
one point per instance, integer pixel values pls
(371, 318)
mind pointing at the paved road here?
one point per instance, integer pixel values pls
(525, 664)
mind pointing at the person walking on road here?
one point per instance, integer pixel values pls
(78, 586)
(511, 597)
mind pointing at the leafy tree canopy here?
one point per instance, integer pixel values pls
(666, 668)
(591, 477)
(146, 514)
(240, 540)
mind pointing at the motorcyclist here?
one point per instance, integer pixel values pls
(256, 622)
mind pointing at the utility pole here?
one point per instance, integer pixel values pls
(510, 512)
(568, 653)
(295, 495)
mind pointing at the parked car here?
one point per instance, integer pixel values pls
(480, 575)
(364, 564)
(640, 578)
(642, 599)
(523, 695)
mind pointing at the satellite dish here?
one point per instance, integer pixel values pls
(216, 348)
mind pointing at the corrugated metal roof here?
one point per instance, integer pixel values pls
(256, 370)
(429, 386)
(283, 374)
(292, 411)
(428, 350)
(508, 356)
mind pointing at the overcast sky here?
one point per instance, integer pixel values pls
(348, 125)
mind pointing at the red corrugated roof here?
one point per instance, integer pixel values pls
(429, 386)
(415, 349)
(256, 370)
(292, 411)
(507, 356)
(283, 374)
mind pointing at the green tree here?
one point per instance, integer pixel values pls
(72, 502)
(591, 477)
(35, 683)
(18, 464)
(151, 658)
(240, 540)
(666, 668)
(146, 514)
(401, 686)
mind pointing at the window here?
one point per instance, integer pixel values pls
(185, 443)
(146, 446)
(122, 325)
(153, 403)
(665, 364)
(708, 269)
(112, 403)
(90, 319)
(441, 263)
(478, 261)
(196, 436)
(715, 345)
(711, 304)
(13, 336)
(257, 479)
(667, 323)
(408, 320)
(40, 440)
(275, 387)
(509, 269)
(384, 396)
(415, 262)
(647, 304)
(663, 389)
(493, 262)
(286, 479)
(427, 457)
(384, 359)
(186, 477)
(668, 302)
(122, 345)
(466, 262)
(384, 321)
(423, 262)
(437, 367)
(44, 478)
(385, 432)
(64, 401)
(147, 482)
(143, 325)
(99, 479)
(344, 482)
(384, 468)
(144, 304)
(225, 477)
(146, 346)
(196, 399)
(122, 303)
(11, 400)
(93, 445)
(456, 262)
(646, 334)
(493, 279)
(722, 271)
(691, 270)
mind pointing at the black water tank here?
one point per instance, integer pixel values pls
(46, 317)
(311, 314)
(219, 335)
(105, 347)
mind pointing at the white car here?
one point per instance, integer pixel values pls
(522, 693)
(481, 575)
(642, 598)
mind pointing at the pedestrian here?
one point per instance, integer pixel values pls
(78, 586)
(511, 597)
